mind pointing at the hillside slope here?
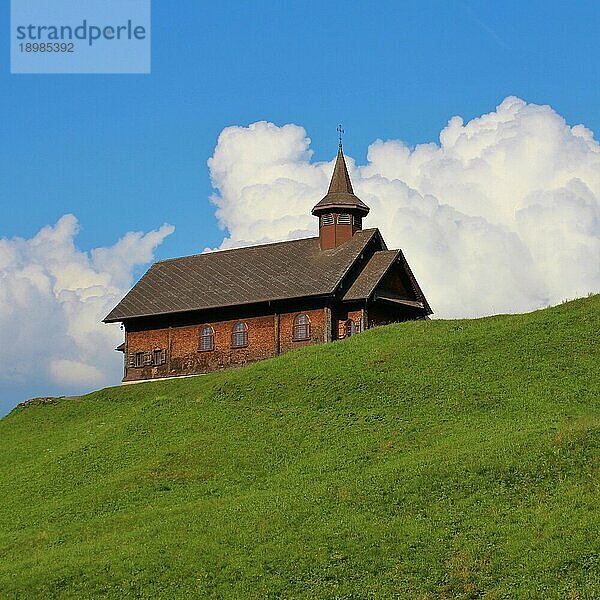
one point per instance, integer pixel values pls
(440, 459)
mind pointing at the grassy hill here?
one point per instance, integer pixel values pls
(441, 459)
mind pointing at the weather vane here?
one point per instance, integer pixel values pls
(341, 132)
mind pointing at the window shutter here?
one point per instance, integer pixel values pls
(158, 355)
(163, 357)
(131, 359)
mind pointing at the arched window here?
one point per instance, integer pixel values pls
(239, 336)
(350, 327)
(206, 341)
(301, 328)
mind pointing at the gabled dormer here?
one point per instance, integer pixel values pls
(340, 212)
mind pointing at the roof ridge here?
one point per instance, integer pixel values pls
(227, 250)
(270, 244)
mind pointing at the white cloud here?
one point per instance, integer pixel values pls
(74, 373)
(52, 300)
(503, 215)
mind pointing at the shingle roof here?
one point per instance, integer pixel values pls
(371, 275)
(284, 270)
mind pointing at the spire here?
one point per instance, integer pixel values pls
(340, 212)
(340, 180)
(340, 193)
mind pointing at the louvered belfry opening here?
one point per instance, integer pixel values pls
(340, 212)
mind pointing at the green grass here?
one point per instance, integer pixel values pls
(440, 459)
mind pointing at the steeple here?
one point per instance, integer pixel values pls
(340, 212)
(340, 180)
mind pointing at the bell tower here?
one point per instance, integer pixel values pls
(340, 212)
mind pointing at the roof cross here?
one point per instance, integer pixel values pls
(341, 132)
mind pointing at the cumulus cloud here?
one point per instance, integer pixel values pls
(52, 299)
(502, 215)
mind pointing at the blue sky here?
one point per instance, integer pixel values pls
(129, 152)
